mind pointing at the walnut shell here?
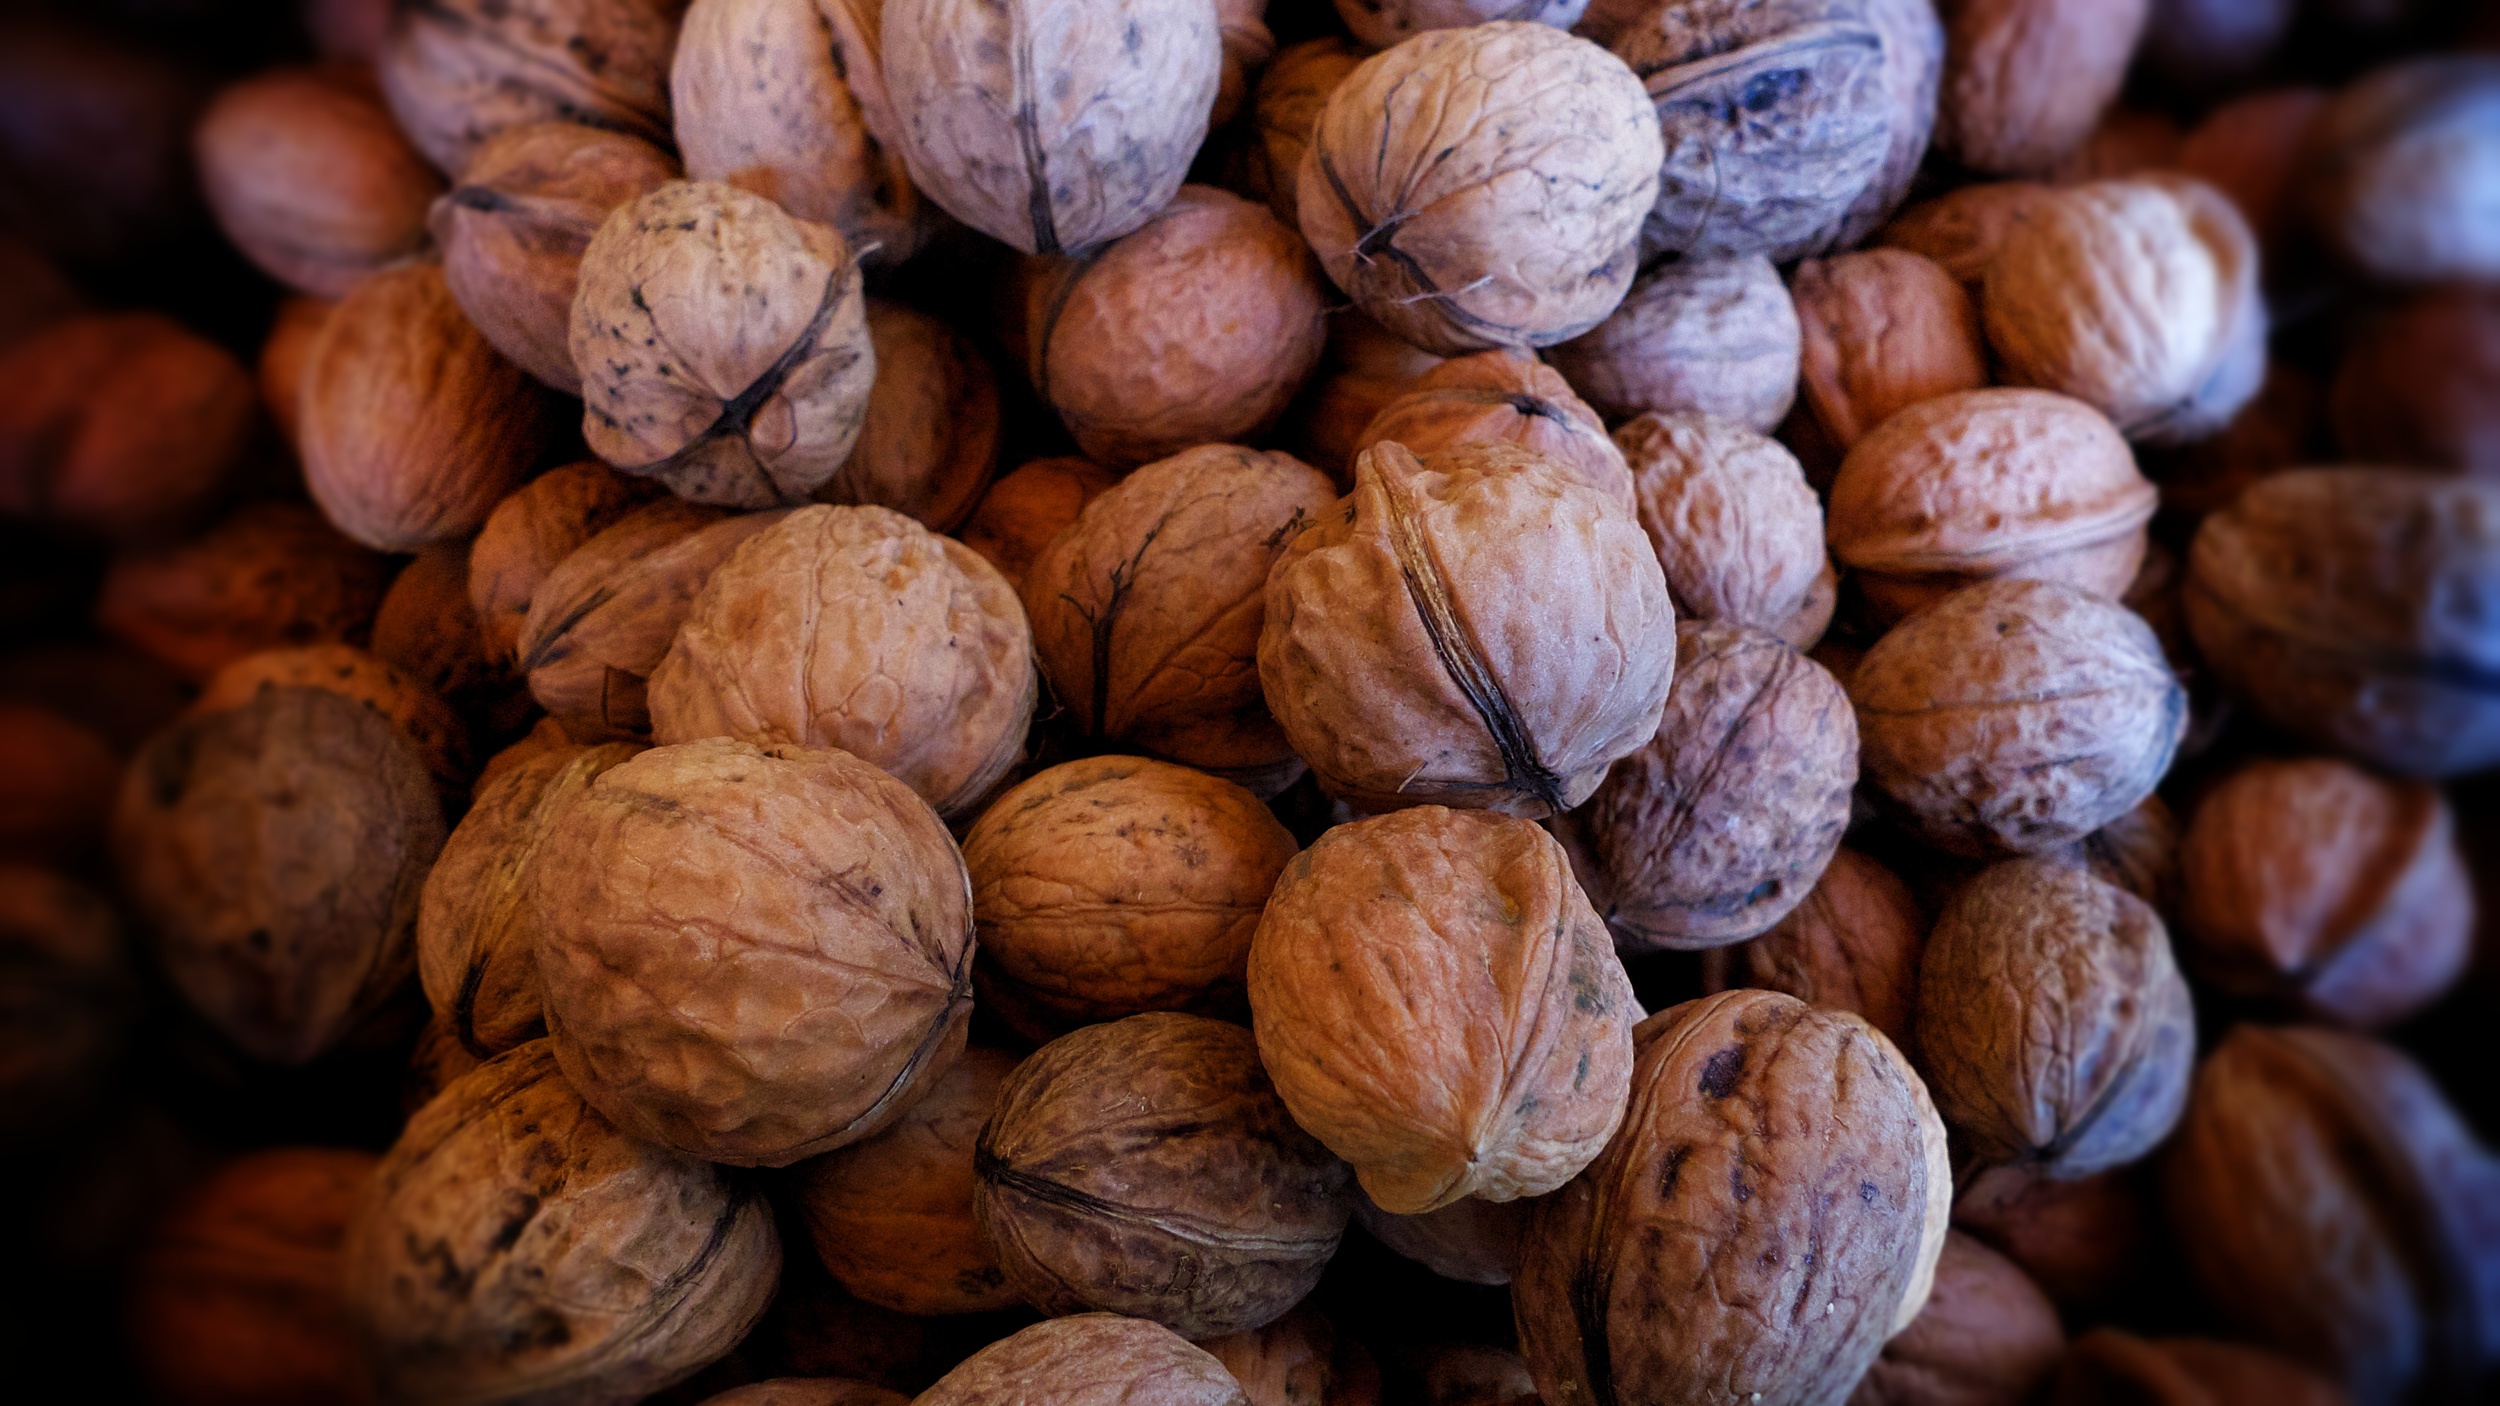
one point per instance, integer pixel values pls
(929, 438)
(1736, 528)
(1962, 229)
(2138, 851)
(2016, 717)
(1053, 128)
(1482, 187)
(269, 574)
(2351, 607)
(428, 630)
(1299, 1360)
(513, 1244)
(1382, 24)
(1365, 368)
(2274, 432)
(276, 850)
(1828, 1126)
(1283, 109)
(1472, 1241)
(1987, 1337)
(1091, 1359)
(57, 781)
(2421, 385)
(2397, 170)
(2078, 1240)
(1718, 336)
(421, 715)
(67, 997)
(904, 649)
(1479, 629)
(1147, 1166)
(2111, 1364)
(1437, 1002)
(437, 1060)
(2026, 80)
(2251, 150)
(1882, 330)
(285, 357)
(1020, 513)
(458, 72)
(2126, 142)
(808, 1391)
(1111, 886)
(1503, 397)
(530, 533)
(833, 978)
(1852, 945)
(1248, 44)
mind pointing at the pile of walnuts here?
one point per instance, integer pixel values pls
(1612, 702)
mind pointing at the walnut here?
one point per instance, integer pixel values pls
(2206, 45)
(2272, 433)
(1827, 1124)
(1283, 109)
(437, 1060)
(2396, 172)
(2316, 886)
(270, 574)
(2126, 142)
(1719, 336)
(1736, 528)
(1962, 228)
(2016, 717)
(1482, 187)
(1147, 1167)
(1364, 369)
(2053, 1026)
(1472, 1241)
(891, 1217)
(119, 425)
(1147, 611)
(67, 997)
(1382, 24)
(514, 228)
(1480, 629)
(929, 438)
(57, 779)
(2422, 385)
(2079, 1240)
(2345, 606)
(2335, 1208)
(310, 178)
(1438, 1003)
(1717, 826)
(1019, 514)
(1987, 1337)
(1054, 129)
(420, 714)
(348, 29)
(1503, 397)
(904, 649)
(1111, 886)
(514, 1243)
(2026, 80)
(530, 533)
(808, 1391)
(2111, 1364)
(458, 72)
(1882, 330)
(2138, 852)
(746, 401)
(427, 630)
(1091, 1359)
(1299, 1360)
(1852, 945)
(276, 851)
(2250, 150)
(284, 357)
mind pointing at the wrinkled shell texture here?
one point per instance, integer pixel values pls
(310, 179)
(930, 435)
(905, 649)
(1984, 485)
(2053, 1025)
(1502, 397)
(1300, 1358)
(2402, 170)
(1718, 336)
(1091, 1359)
(530, 533)
(1480, 630)
(1291, 92)
(1051, 125)
(2016, 717)
(1472, 1241)
(1482, 187)
(2315, 885)
(2352, 607)
(1020, 514)
(277, 850)
(2422, 385)
(1720, 824)
(1146, 1167)
(1147, 611)
(1196, 328)
(1736, 528)
(1962, 229)
(1882, 330)
(458, 72)
(270, 574)
(1987, 1337)
(752, 954)
(1437, 1002)
(2108, 1364)
(1112, 886)
(428, 631)
(1771, 1213)
(1380, 24)
(723, 345)
(515, 1246)
(1853, 945)
(2025, 81)
(423, 718)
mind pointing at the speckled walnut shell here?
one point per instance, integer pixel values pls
(2351, 607)
(2421, 385)
(2026, 80)
(428, 723)
(2079, 1240)
(460, 71)
(1482, 187)
(1051, 125)
(891, 1217)
(1752, 1117)
(1882, 330)
(269, 574)
(66, 997)
(1736, 528)
(1147, 611)
(514, 1245)
(2314, 885)
(2110, 1364)
(1987, 1337)
(1115, 885)
(276, 850)
(530, 533)
(2396, 173)
(310, 178)
(929, 438)
(1024, 510)
(1962, 228)
(2016, 717)
(1437, 1002)
(1481, 629)
(903, 648)
(1091, 1359)
(753, 955)
(1503, 397)
(513, 229)
(1719, 336)
(1852, 945)
(1472, 1241)
(1291, 91)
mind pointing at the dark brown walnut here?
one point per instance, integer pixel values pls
(2025, 81)
(114, 690)
(1881, 330)
(66, 998)
(2016, 717)
(437, 1059)
(1472, 1241)
(252, 1258)
(2250, 149)
(37, 292)
(1736, 528)
(1751, 1115)
(124, 426)
(1116, 885)
(2079, 1240)
(1482, 187)
(57, 779)
(269, 574)
(414, 427)
(275, 851)
(2139, 852)
(2347, 607)
(2396, 169)
(2127, 141)
(1478, 629)
(1716, 336)
(1091, 1359)
(930, 436)
(348, 29)
(1364, 369)
(2317, 887)
(530, 533)
(2053, 1026)
(1853, 945)
(2422, 385)
(1503, 397)
(891, 1217)
(1019, 514)
(1962, 228)
(1195, 328)
(1147, 1167)
(1241, 26)
(477, 940)
(2336, 1209)
(1299, 1360)
(1147, 611)
(515, 1245)
(1465, 1374)
(284, 357)
(2276, 431)
(439, 735)
(458, 72)
(2111, 1364)
(427, 629)
(1437, 1002)
(1292, 89)
(827, 987)
(809, 1391)
(1987, 1337)
(903, 648)
(514, 227)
